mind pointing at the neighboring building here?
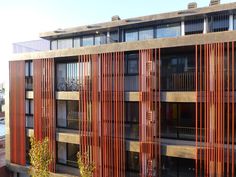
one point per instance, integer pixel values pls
(147, 96)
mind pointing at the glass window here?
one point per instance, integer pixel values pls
(87, 40)
(146, 34)
(132, 162)
(67, 114)
(168, 30)
(97, 40)
(175, 167)
(114, 37)
(77, 42)
(29, 112)
(72, 150)
(28, 68)
(132, 65)
(131, 35)
(61, 114)
(64, 43)
(29, 75)
(178, 120)
(53, 44)
(67, 76)
(218, 23)
(27, 148)
(132, 120)
(234, 22)
(194, 26)
(67, 153)
(61, 153)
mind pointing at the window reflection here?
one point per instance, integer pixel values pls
(87, 41)
(132, 120)
(146, 34)
(68, 114)
(218, 22)
(168, 30)
(178, 120)
(132, 163)
(131, 35)
(194, 26)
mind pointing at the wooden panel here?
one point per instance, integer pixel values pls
(44, 104)
(150, 112)
(17, 112)
(215, 63)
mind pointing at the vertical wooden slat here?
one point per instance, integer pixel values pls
(17, 112)
(44, 104)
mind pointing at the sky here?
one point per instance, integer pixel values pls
(23, 20)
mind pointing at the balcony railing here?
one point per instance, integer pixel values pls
(73, 84)
(180, 132)
(179, 82)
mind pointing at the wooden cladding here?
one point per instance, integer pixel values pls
(215, 114)
(17, 112)
(102, 133)
(150, 112)
(44, 104)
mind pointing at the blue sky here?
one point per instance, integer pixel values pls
(23, 20)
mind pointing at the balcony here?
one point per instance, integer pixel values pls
(179, 81)
(73, 84)
(180, 132)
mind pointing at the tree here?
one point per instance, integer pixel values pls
(86, 167)
(40, 157)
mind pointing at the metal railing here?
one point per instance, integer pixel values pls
(73, 84)
(179, 81)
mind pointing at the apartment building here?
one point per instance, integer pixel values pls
(151, 96)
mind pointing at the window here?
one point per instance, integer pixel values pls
(234, 22)
(218, 22)
(131, 72)
(168, 30)
(67, 154)
(132, 65)
(53, 44)
(101, 39)
(194, 26)
(67, 76)
(178, 120)
(64, 43)
(132, 163)
(178, 73)
(29, 113)
(29, 75)
(114, 37)
(97, 40)
(77, 42)
(132, 120)
(87, 41)
(146, 34)
(27, 148)
(131, 35)
(177, 167)
(68, 114)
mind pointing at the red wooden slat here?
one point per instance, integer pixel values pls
(17, 112)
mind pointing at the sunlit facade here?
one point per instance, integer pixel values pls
(150, 96)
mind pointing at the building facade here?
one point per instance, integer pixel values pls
(150, 96)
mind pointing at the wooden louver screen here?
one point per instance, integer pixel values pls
(215, 116)
(44, 104)
(17, 112)
(149, 112)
